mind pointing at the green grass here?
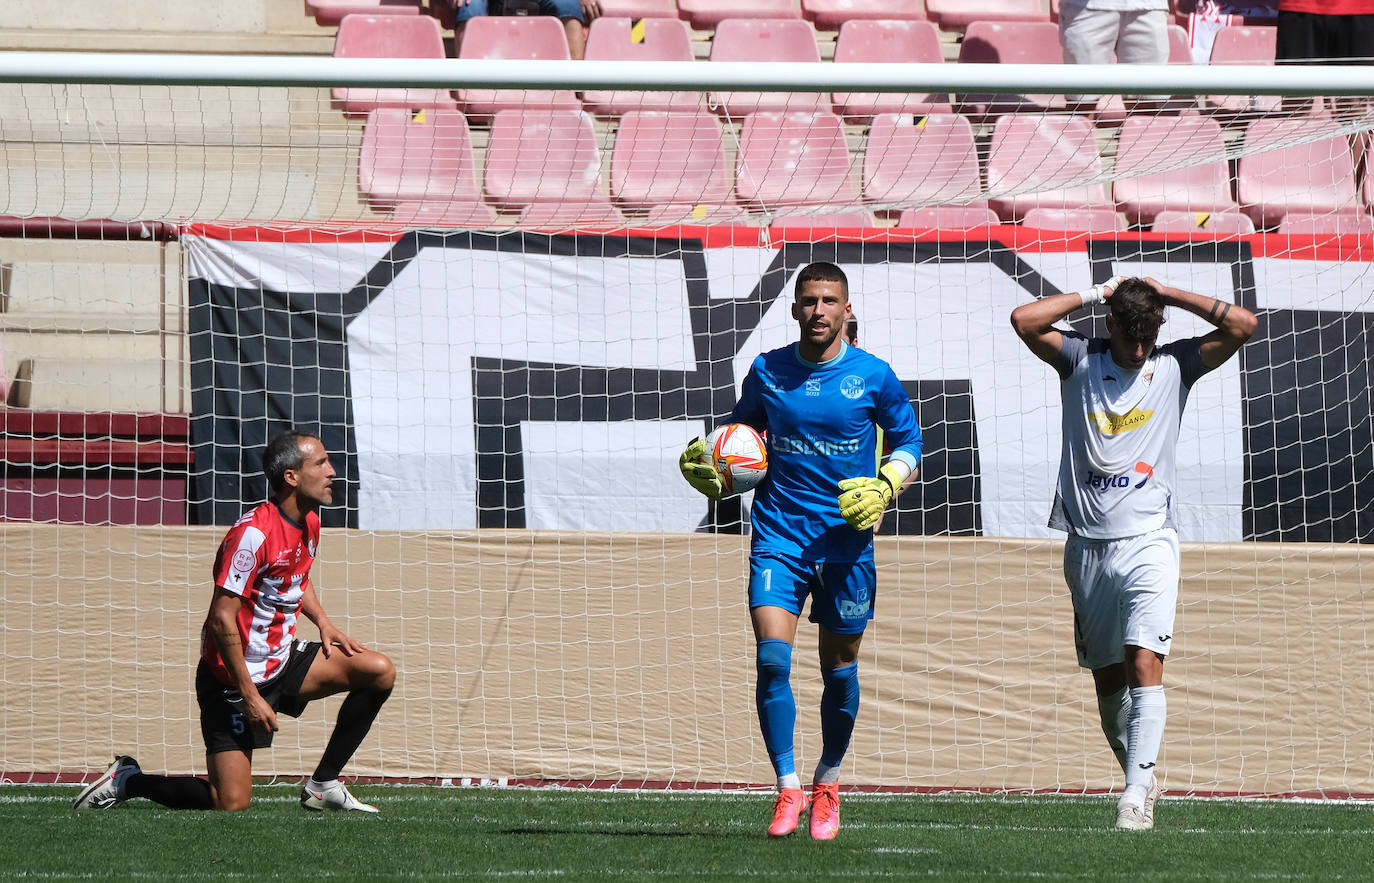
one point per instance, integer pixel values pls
(437, 833)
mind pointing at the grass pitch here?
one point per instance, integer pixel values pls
(480, 833)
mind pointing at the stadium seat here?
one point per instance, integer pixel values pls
(1023, 42)
(962, 13)
(1033, 161)
(1243, 44)
(1279, 173)
(638, 9)
(388, 36)
(793, 159)
(663, 158)
(1217, 223)
(708, 14)
(440, 213)
(543, 156)
(927, 160)
(888, 41)
(514, 37)
(950, 217)
(1075, 220)
(763, 40)
(834, 13)
(596, 213)
(651, 39)
(423, 156)
(1342, 223)
(1157, 167)
(331, 12)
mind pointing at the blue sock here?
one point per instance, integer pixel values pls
(776, 706)
(839, 708)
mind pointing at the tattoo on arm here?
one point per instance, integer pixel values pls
(1222, 317)
(1212, 314)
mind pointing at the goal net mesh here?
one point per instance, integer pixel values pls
(506, 312)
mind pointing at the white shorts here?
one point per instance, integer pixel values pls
(1124, 593)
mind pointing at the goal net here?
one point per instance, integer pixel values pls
(506, 310)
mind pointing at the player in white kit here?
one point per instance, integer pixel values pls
(1123, 400)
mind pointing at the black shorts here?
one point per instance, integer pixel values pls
(1307, 38)
(222, 722)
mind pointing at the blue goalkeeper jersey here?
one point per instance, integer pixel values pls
(821, 421)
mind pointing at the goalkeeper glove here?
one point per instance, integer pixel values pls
(699, 475)
(863, 500)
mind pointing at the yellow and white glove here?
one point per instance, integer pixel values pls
(698, 474)
(864, 500)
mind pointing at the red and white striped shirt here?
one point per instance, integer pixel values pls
(265, 559)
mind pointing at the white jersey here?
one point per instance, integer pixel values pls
(1116, 470)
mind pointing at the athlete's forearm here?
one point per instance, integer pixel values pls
(311, 608)
(224, 630)
(1037, 316)
(1232, 319)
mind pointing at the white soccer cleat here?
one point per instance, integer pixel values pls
(331, 796)
(1150, 797)
(1133, 818)
(108, 790)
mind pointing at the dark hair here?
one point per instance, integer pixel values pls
(821, 272)
(283, 453)
(1137, 309)
(851, 329)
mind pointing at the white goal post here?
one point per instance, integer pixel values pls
(505, 398)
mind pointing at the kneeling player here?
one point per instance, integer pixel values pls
(252, 668)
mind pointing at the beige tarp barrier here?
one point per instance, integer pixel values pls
(628, 657)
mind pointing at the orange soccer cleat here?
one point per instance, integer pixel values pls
(787, 809)
(825, 811)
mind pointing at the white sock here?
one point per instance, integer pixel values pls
(791, 780)
(826, 775)
(321, 786)
(1115, 711)
(1144, 735)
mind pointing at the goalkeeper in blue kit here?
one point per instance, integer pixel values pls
(820, 402)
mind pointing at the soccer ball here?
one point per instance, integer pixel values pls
(739, 456)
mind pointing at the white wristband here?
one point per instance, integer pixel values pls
(1092, 296)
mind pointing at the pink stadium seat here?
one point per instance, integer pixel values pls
(1024, 42)
(962, 13)
(519, 38)
(834, 13)
(388, 36)
(1231, 223)
(424, 156)
(1243, 44)
(708, 14)
(1076, 220)
(663, 158)
(638, 9)
(1341, 223)
(566, 215)
(853, 217)
(793, 159)
(888, 41)
(543, 156)
(436, 213)
(920, 160)
(763, 40)
(1033, 162)
(1316, 176)
(331, 12)
(950, 217)
(652, 39)
(1157, 167)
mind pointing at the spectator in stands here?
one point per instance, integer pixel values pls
(252, 668)
(1091, 31)
(575, 15)
(1207, 17)
(1328, 32)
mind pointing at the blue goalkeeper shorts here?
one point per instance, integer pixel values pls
(842, 593)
